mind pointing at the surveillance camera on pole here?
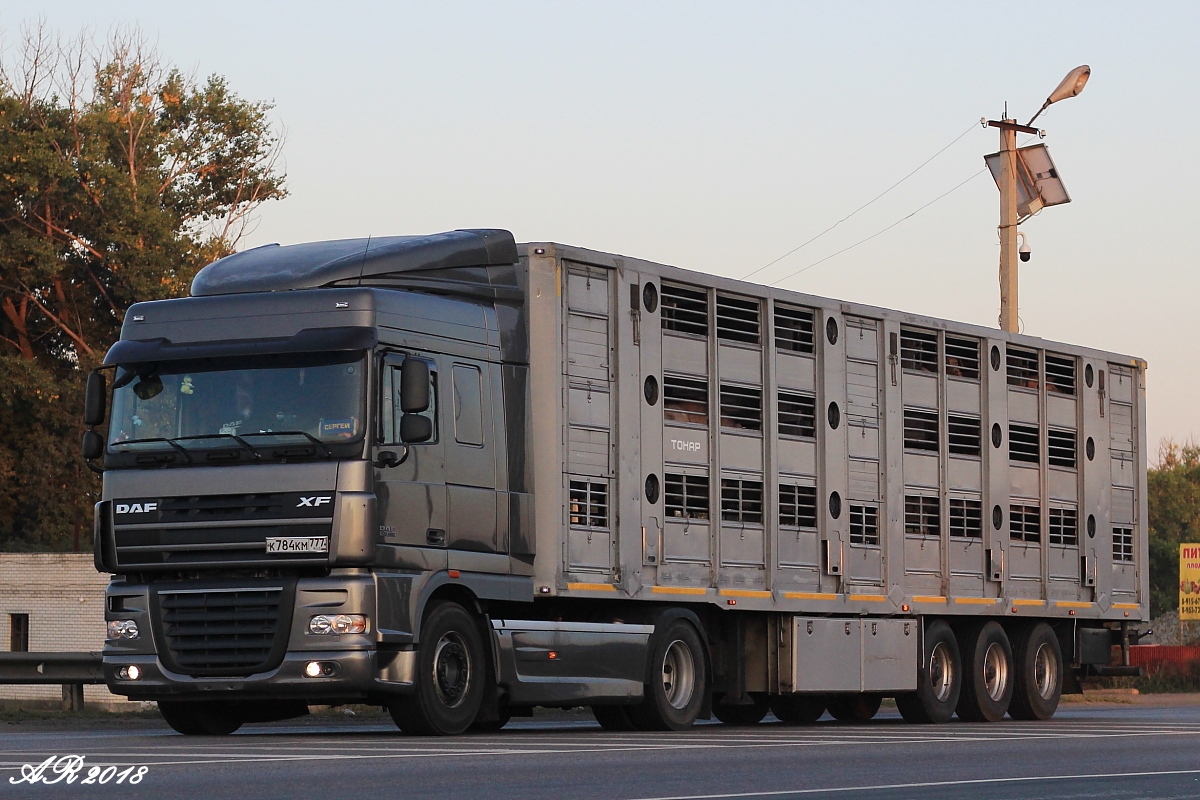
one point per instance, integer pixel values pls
(1028, 182)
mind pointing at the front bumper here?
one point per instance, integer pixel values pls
(358, 675)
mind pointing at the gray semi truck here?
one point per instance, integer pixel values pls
(459, 478)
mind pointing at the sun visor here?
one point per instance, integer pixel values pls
(309, 340)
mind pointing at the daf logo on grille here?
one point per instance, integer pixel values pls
(136, 508)
(313, 502)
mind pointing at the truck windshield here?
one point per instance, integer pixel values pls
(244, 402)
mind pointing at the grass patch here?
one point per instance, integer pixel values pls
(1166, 679)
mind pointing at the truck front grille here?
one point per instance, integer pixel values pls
(239, 630)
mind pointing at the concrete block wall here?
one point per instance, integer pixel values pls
(64, 597)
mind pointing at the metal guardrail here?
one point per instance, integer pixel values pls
(71, 670)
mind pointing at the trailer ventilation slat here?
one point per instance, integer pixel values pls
(962, 358)
(224, 632)
(1023, 443)
(685, 400)
(1123, 545)
(741, 407)
(966, 518)
(1060, 374)
(797, 506)
(684, 310)
(1025, 523)
(686, 496)
(1022, 368)
(864, 524)
(918, 350)
(797, 415)
(922, 515)
(1064, 526)
(794, 328)
(742, 501)
(738, 319)
(920, 430)
(1061, 446)
(589, 504)
(963, 436)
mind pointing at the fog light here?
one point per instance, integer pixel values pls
(321, 669)
(122, 629)
(129, 673)
(313, 669)
(338, 623)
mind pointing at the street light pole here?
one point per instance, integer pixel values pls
(1008, 227)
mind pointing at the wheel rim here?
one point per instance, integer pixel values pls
(1045, 671)
(995, 671)
(941, 671)
(678, 674)
(451, 669)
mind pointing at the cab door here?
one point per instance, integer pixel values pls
(470, 452)
(412, 495)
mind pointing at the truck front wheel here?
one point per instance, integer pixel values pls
(200, 718)
(448, 690)
(678, 680)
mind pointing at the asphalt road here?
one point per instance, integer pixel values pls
(1085, 752)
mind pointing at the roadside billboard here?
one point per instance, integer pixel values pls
(1189, 581)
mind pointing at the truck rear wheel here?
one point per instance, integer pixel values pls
(749, 714)
(678, 680)
(200, 718)
(987, 674)
(448, 690)
(939, 679)
(798, 709)
(854, 707)
(1039, 674)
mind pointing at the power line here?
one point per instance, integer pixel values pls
(880, 233)
(864, 205)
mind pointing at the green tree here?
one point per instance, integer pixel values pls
(1173, 489)
(120, 177)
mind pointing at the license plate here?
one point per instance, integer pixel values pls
(298, 544)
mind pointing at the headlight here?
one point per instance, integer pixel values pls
(122, 629)
(338, 623)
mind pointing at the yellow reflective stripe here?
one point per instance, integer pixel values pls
(1125, 605)
(1020, 602)
(1071, 604)
(867, 598)
(809, 596)
(591, 587)
(928, 598)
(743, 593)
(976, 601)
(676, 590)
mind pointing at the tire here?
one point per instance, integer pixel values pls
(854, 707)
(798, 709)
(987, 675)
(939, 679)
(200, 718)
(614, 718)
(448, 690)
(678, 680)
(1039, 674)
(750, 714)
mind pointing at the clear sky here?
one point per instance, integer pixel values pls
(719, 136)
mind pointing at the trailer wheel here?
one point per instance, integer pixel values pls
(1039, 674)
(448, 690)
(678, 680)
(614, 718)
(798, 709)
(853, 707)
(939, 679)
(200, 719)
(988, 674)
(750, 714)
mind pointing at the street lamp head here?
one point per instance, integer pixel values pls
(1069, 87)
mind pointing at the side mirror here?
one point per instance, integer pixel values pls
(94, 400)
(414, 387)
(93, 445)
(415, 428)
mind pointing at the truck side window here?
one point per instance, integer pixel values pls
(390, 412)
(468, 405)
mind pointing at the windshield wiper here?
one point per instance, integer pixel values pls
(249, 447)
(187, 456)
(328, 453)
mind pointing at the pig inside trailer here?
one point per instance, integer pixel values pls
(564, 477)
